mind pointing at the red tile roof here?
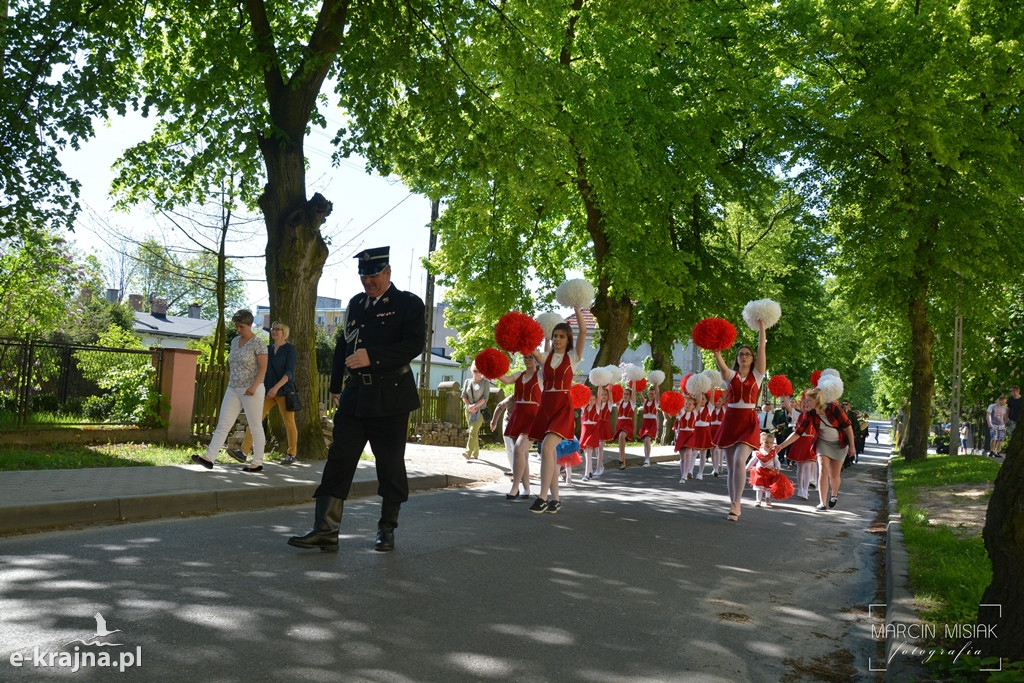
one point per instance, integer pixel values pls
(588, 318)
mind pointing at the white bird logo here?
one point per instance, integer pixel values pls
(101, 627)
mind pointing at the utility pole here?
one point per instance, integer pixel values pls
(435, 209)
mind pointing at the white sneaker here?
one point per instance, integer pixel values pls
(700, 476)
(586, 477)
(599, 472)
(682, 480)
(647, 463)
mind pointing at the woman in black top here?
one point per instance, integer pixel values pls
(279, 382)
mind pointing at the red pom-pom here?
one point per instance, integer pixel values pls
(682, 382)
(616, 393)
(815, 376)
(672, 402)
(714, 334)
(579, 395)
(779, 385)
(782, 487)
(518, 333)
(640, 384)
(491, 363)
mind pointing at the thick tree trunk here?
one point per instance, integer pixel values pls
(296, 253)
(922, 373)
(1001, 613)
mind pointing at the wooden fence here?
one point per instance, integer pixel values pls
(212, 382)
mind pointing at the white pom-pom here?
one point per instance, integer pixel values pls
(831, 388)
(765, 310)
(547, 322)
(600, 377)
(575, 294)
(657, 377)
(632, 373)
(829, 372)
(715, 377)
(698, 384)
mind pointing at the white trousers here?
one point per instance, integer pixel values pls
(234, 402)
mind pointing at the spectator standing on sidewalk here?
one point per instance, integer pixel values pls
(997, 414)
(1013, 410)
(374, 389)
(475, 392)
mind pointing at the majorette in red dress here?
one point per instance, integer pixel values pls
(624, 422)
(555, 414)
(802, 449)
(649, 425)
(701, 439)
(604, 422)
(716, 422)
(739, 424)
(527, 401)
(685, 421)
(589, 437)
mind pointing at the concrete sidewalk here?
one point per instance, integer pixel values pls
(47, 499)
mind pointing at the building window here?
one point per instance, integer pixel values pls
(447, 378)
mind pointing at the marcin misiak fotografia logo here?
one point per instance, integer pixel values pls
(904, 639)
(90, 653)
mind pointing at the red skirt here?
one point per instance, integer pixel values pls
(802, 449)
(554, 416)
(649, 427)
(624, 424)
(588, 436)
(739, 425)
(683, 439)
(701, 439)
(570, 460)
(762, 476)
(522, 418)
(604, 429)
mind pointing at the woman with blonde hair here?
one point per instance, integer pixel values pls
(279, 383)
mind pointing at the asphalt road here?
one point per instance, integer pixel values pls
(637, 579)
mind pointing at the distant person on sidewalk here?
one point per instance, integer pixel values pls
(247, 366)
(374, 389)
(996, 415)
(475, 392)
(279, 384)
(1013, 410)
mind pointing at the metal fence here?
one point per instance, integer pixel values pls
(46, 384)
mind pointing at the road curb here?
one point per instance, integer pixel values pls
(900, 614)
(28, 518)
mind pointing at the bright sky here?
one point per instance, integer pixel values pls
(369, 211)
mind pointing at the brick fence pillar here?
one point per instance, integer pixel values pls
(178, 381)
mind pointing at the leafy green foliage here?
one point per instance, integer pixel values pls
(128, 379)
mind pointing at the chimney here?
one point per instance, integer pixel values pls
(159, 307)
(113, 295)
(136, 301)
(195, 311)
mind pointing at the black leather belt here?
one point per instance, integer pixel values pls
(368, 378)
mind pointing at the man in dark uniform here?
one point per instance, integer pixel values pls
(384, 329)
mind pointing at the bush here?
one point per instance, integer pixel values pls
(128, 379)
(98, 407)
(43, 403)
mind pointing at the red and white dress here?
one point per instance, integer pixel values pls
(527, 401)
(716, 422)
(589, 438)
(701, 439)
(555, 414)
(604, 422)
(763, 468)
(739, 424)
(803, 449)
(649, 425)
(685, 423)
(624, 422)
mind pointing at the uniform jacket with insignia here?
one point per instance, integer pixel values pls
(393, 332)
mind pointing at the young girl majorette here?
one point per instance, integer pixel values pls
(763, 467)
(555, 420)
(649, 424)
(624, 424)
(739, 433)
(590, 445)
(802, 451)
(527, 391)
(684, 424)
(700, 442)
(717, 454)
(604, 424)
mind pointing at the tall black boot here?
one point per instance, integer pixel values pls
(326, 523)
(386, 526)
